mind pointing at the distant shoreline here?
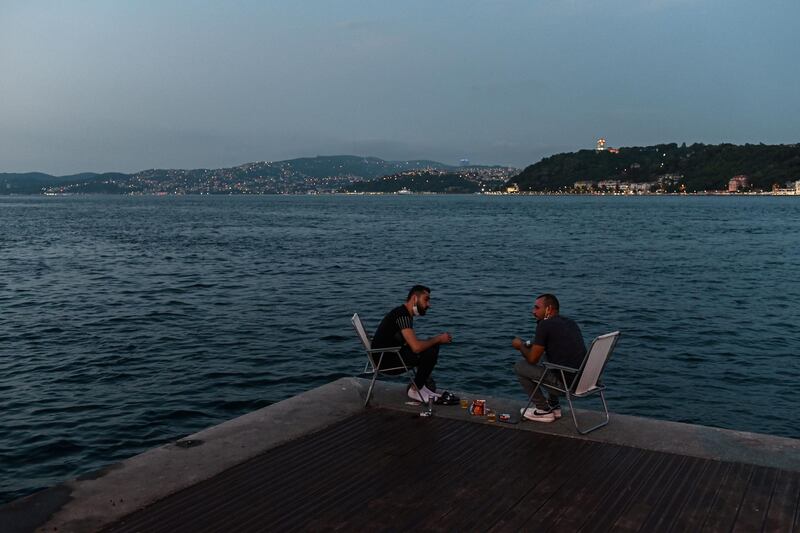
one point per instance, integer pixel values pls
(529, 193)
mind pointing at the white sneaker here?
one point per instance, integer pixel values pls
(537, 415)
(427, 392)
(418, 396)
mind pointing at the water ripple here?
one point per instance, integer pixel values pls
(130, 322)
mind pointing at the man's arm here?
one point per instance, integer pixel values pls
(531, 353)
(420, 345)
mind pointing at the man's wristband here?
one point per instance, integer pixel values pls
(528, 344)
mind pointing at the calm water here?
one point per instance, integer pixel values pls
(128, 322)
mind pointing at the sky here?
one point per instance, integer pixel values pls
(101, 86)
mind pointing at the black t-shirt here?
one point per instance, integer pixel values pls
(388, 332)
(562, 341)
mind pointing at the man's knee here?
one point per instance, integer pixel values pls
(431, 353)
(526, 370)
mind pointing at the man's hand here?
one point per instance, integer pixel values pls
(517, 343)
(445, 338)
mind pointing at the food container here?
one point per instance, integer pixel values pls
(478, 408)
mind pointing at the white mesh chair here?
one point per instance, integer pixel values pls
(585, 380)
(374, 367)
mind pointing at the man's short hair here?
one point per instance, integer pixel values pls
(550, 300)
(417, 289)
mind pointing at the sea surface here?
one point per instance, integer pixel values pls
(127, 322)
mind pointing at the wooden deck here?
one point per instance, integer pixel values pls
(392, 470)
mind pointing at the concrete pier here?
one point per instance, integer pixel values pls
(321, 461)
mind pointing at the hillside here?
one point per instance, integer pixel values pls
(702, 167)
(293, 176)
(420, 182)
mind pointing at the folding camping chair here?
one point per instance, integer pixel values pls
(376, 365)
(585, 379)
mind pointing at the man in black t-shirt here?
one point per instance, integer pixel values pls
(397, 329)
(561, 341)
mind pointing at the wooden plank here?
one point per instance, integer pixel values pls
(357, 494)
(566, 509)
(402, 483)
(242, 490)
(755, 502)
(516, 475)
(702, 494)
(624, 484)
(274, 480)
(534, 505)
(389, 470)
(510, 477)
(438, 478)
(661, 481)
(676, 500)
(723, 511)
(169, 512)
(484, 467)
(784, 502)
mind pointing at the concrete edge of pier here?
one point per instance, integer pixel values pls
(92, 501)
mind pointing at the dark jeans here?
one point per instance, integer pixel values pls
(424, 361)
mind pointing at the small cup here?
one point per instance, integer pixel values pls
(490, 415)
(464, 403)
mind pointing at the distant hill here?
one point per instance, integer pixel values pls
(37, 182)
(293, 175)
(702, 167)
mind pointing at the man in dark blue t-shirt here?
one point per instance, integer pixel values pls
(560, 340)
(397, 329)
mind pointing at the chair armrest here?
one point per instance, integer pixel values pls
(389, 349)
(554, 366)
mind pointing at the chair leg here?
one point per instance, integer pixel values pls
(371, 386)
(575, 418)
(414, 386)
(413, 370)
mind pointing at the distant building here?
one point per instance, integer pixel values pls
(645, 187)
(608, 184)
(792, 189)
(601, 145)
(584, 185)
(737, 183)
(463, 162)
(668, 179)
(512, 188)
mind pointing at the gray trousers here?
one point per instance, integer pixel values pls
(528, 375)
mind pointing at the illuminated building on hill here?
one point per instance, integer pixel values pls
(601, 145)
